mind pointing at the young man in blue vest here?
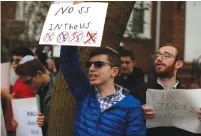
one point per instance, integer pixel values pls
(103, 107)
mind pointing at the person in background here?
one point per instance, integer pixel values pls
(33, 49)
(167, 62)
(50, 62)
(130, 76)
(19, 89)
(43, 58)
(40, 79)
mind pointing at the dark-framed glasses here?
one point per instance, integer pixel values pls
(97, 64)
(164, 55)
(28, 82)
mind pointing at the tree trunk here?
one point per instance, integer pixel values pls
(63, 106)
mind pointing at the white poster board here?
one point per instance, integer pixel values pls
(3, 127)
(5, 75)
(25, 112)
(56, 51)
(176, 108)
(80, 24)
(5, 83)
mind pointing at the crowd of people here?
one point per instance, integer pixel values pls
(24, 63)
(111, 99)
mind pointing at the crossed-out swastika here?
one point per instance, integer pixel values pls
(48, 37)
(90, 37)
(62, 37)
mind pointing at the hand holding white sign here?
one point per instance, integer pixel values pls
(14, 123)
(148, 111)
(25, 113)
(40, 119)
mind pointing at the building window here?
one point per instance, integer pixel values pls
(139, 24)
(138, 18)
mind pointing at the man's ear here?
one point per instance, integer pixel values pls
(115, 71)
(179, 64)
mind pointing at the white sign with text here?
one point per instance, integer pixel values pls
(5, 83)
(3, 127)
(25, 113)
(80, 24)
(177, 108)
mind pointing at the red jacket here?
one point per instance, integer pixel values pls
(20, 90)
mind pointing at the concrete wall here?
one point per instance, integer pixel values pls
(193, 31)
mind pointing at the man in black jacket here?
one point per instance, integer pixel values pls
(167, 62)
(130, 76)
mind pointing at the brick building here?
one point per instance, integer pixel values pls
(172, 24)
(10, 29)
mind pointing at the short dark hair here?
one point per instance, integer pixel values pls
(178, 55)
(21, 51)
(30, 68)
(112, 55)
(127, 53)
(42, 57)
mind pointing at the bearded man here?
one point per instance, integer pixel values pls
(167, 62)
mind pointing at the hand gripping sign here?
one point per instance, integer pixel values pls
(25, 113)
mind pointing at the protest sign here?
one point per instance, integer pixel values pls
(5, 75)
(3, 127)
(176, 108)
(80, 24)
(56, 51)
(25, 112)
(5, 83)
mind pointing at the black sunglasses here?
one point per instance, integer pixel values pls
(97, 64)
(28, 82)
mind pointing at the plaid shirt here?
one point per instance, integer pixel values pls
(107, 101)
